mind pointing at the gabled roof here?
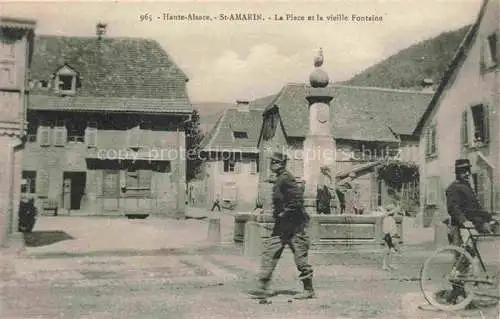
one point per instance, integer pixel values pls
(450, 75)
(126, 68)
(221, 137)
(358, 113)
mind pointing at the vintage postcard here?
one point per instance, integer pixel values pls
(249, 159)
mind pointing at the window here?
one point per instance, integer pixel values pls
(138, 178)
(237, 134)
(231, 166)
(91, 134)
(76, 132)
(30, 186)
(43, 84)
(66, 80)
(465, 128)
(66, 83)
(481, 124)
(431, 141)
(60, 133)
(490, 51)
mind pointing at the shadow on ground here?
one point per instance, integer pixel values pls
(46, 237)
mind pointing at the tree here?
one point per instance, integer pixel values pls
(194, 136)
(402, 180)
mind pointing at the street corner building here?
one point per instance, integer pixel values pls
(105, 129)
(16, 48)
(463, 120)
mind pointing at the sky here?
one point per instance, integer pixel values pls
(227, 61)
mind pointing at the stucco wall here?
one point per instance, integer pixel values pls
(72, 157)
(471, 87)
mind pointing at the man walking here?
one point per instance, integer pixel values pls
(289, 229)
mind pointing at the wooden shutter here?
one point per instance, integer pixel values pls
(427, 138)
(465, 128)
(60, 136)
(486, 123)
(91, 137)
(44, 135)
(433, 140)
(42, 183)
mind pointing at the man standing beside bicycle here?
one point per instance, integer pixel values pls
(465, 212)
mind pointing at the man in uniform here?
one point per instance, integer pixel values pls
(289, 229)
(465, 211)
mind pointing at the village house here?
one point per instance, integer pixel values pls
(16, 48)
(369, 125)
(106, 127)
(463, 120)
(231, 166)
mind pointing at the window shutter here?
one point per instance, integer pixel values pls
(42, 183)
(44, 135)
(465, 128)
(60, 136)
(145, 179)
(91, 137)
(433, 140)
(427, 141)
(486, 123)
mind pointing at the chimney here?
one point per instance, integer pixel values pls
(427, 85)
(101, 29)
(243, 105)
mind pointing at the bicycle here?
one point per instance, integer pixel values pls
(465, 274)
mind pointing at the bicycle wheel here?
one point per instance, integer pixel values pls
(446, 278)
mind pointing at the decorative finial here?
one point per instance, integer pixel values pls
(319, 78)
(318, 61)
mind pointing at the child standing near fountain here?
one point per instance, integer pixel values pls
(389, 230)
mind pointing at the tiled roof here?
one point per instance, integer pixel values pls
(96, 103)
(358, 113)
(455, 64)
(129, 68)
(221, 137)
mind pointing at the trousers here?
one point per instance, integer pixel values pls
(299, 243)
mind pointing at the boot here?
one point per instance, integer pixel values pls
(262, 290)
(308, 292)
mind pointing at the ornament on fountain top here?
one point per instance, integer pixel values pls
(319, 78)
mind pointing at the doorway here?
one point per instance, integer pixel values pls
(73, 189)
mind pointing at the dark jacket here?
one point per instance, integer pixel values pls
(463, 205)
(288, 203)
